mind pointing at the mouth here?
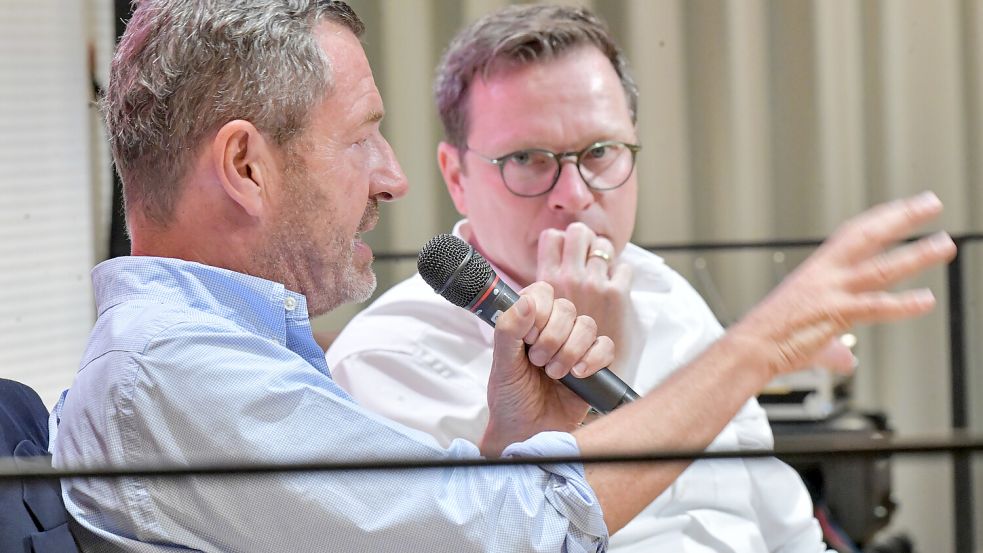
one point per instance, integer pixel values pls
(369, 220)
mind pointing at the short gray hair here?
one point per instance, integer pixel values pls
(183, 68)
(514, 37)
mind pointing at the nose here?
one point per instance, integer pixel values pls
(570, 193)
(389, 182)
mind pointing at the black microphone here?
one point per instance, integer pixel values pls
(463, 277)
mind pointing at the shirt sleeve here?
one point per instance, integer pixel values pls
(235, 397)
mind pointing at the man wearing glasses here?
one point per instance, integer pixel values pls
(540, 144)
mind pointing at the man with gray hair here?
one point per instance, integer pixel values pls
(539, 111)
(247, 137)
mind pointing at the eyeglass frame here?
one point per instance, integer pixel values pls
(559, 157)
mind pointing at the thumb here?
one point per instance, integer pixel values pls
(513, 326)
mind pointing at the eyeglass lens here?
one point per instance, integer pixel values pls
(533, 172)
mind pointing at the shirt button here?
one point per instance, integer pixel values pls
(290, 303)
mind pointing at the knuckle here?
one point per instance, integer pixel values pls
(578, 227)
(588, 323)
(603, 243)
(882, 271)
(551, 234)
(563, 305)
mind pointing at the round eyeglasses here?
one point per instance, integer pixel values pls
(533, 172)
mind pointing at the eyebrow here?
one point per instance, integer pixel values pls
(373, 117)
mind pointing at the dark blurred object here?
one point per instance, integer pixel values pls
(852, 495)
(119, 241)
(33, 518)
(894, 544)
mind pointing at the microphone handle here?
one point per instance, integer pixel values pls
(603, 390)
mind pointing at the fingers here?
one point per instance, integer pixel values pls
(578, 243)
(889, 268)
(565, 342)
(836, 357)
(887, 306)
(599, 355)
(554, 335)
(529, 314)
(550, 253)
(573, 255)
(582, 352)
(877, 228)
(600, 257)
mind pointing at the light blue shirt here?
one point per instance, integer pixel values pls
(190, 364)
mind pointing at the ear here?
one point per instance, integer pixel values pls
(245, 164)
(450, 162)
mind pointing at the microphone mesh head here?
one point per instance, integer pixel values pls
(438, 260)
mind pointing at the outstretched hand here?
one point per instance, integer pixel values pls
(845, 282)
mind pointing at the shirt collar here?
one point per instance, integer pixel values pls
(257, 304)
(462, 231)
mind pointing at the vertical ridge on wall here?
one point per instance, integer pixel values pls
(839, 79)
(45, 185)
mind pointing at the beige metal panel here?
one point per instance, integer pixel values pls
(45, 194)
(655, 47)
(473, 9)
(842, 162)
(743, 195)
(972, 18)
(405, 35)
(747, 194)
(922, 147)
(840, 110)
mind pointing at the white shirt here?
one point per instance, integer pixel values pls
(416, 358)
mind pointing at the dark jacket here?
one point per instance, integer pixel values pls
(32, 516)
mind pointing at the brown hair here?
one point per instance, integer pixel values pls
(185, 67)
(513, 37)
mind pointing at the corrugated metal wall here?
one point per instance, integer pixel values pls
(759, 119)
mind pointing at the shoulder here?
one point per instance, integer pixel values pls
(152, 345)
(408, 318)
(133, 326)
(653, 274)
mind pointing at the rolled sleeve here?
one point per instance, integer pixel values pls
(568, 491)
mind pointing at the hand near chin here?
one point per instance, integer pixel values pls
(538, 341)
(583, 268)
(844, 283)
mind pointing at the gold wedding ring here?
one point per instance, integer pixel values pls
(601, 254)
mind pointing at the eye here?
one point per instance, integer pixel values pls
(521, 158)
(531, 159)
(597, 152)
